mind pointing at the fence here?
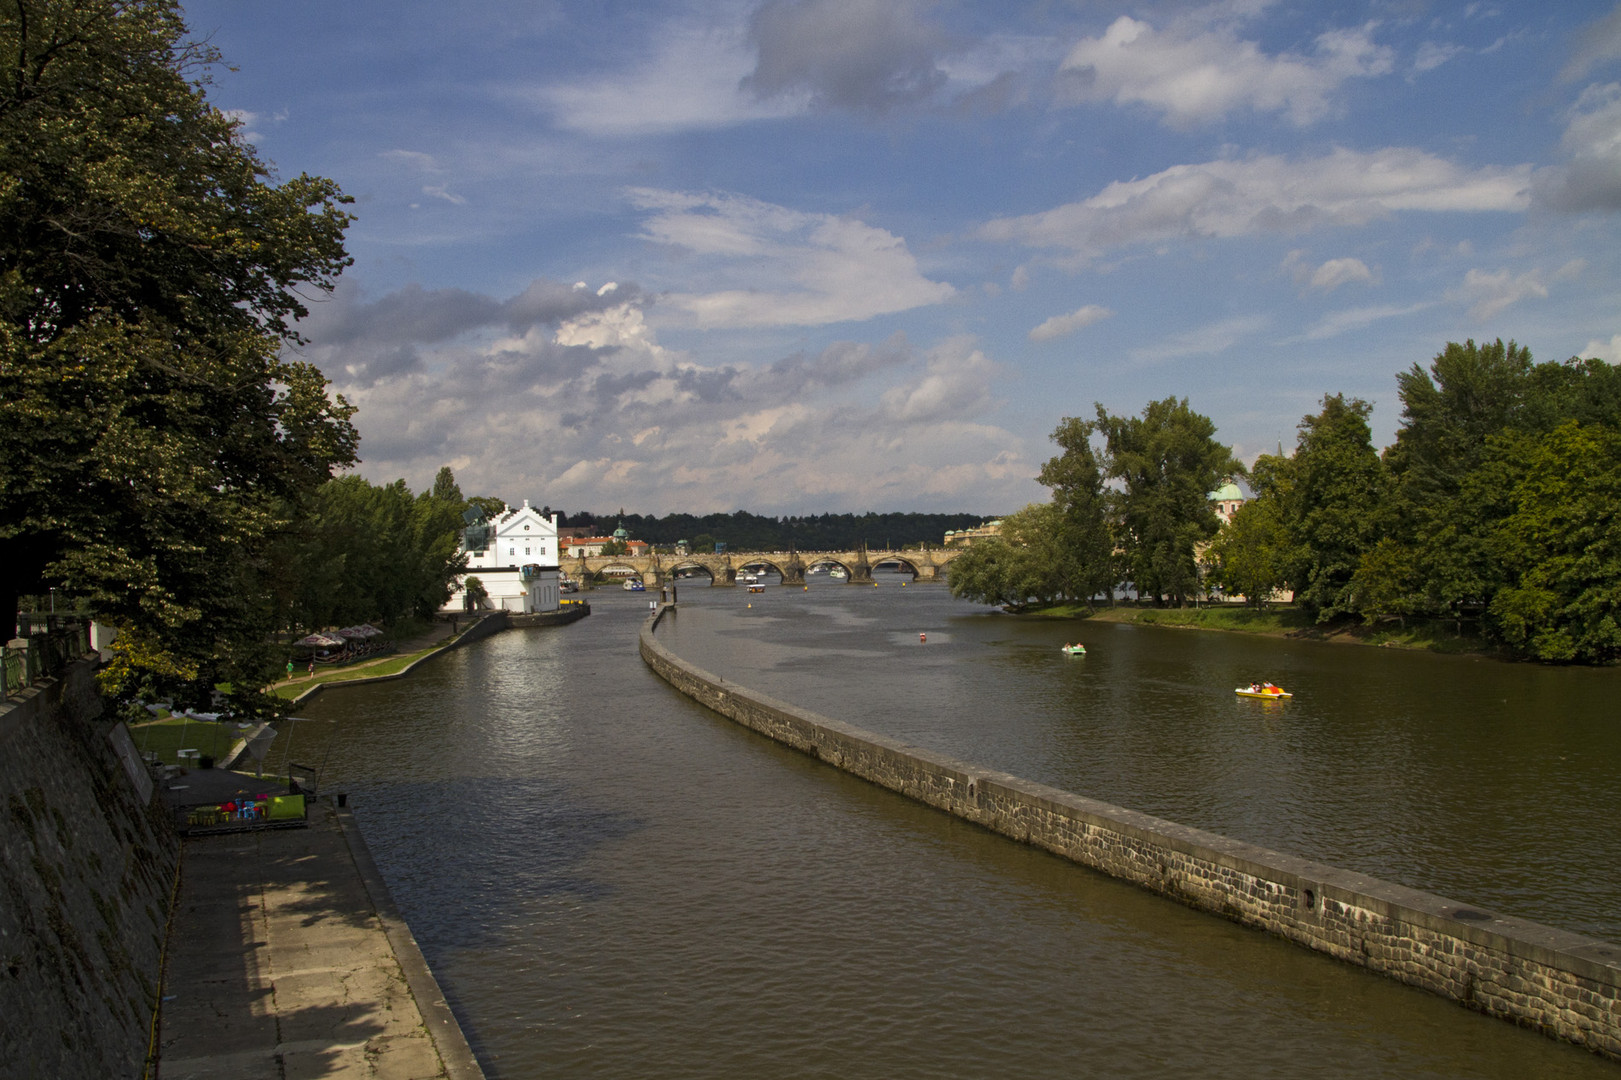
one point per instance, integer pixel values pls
(48, 645)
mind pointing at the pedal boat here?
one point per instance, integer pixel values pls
(1073, 650)
(1264, 691)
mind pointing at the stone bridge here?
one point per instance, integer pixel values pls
(659, 569)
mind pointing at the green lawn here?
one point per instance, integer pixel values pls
(1284, 621)
(164, 737)
(392, 666)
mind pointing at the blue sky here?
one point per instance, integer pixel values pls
(844, 255)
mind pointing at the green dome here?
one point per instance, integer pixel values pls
(621, 534)
(1228, 492)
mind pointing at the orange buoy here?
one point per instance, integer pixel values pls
(923, 637)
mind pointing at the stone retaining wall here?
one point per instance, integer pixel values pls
(1562, 984)
(87, 868)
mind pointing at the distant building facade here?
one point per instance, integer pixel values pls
(970, 537)
(576, 546)
(1226, 499)
(515, 557)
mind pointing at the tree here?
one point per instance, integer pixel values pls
(370, 553)
(492, 507)
(1330, 510)
(1023, 566)
(1250, 554)
(1559, 542)
(1084, 548)
(445, 487)
(150, 271)
(1468, 394)
(1167, 461)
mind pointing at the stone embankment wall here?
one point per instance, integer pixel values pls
(1562, 984)
(87, 869)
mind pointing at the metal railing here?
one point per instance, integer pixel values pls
(50, 644)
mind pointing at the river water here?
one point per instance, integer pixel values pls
(608, 880)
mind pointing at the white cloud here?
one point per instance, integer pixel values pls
(1195, 74)
(692, 79)
(413, 159)
(767, 265)
(1591, 180)
(1328, 276)
(1488, 293)
(1206, 340)
(957, 381)
(442, 191)
(1597, 44)
(561, 395)
(1343, 322)
(1608, 351)
(1432, 55)
(1063, 325)
(1266, 194)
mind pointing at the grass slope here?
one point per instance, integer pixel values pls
(1284, 621)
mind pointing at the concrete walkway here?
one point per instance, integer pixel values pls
(288, 960)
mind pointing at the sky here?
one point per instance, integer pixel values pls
(806, 256)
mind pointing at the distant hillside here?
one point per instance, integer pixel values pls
(743, 531)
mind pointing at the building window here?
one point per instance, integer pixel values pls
(512, 551)
(543, 549)
(526, 551)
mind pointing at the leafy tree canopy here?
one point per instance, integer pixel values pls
(1166, 461)
(151, 270)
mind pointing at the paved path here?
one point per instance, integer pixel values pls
(287, 960)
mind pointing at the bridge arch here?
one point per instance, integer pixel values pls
(703, 568)
(907, 565)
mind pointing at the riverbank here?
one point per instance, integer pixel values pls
(1285, 622)
(287, 957)
(439, 637)
(1563, 984)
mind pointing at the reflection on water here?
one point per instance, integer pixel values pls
(610, 881)
(1495, 783)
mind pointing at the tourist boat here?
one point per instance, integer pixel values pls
(755, 586)
(748, 578)
(837, 572)
(1265, 691)
(635, 586)
(1074, 650)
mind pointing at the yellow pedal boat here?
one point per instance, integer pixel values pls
(1265, 691)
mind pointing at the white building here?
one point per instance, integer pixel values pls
(514, 556)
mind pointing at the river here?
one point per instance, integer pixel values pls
(610, 881)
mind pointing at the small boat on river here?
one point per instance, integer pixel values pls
(1074, 650)
(1264, 690)
(633, 585)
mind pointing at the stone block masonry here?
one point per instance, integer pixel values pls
(87, 868)
(1562, 984)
